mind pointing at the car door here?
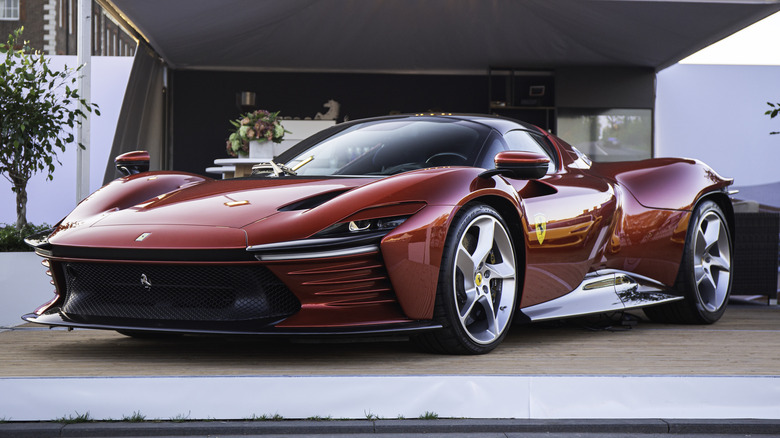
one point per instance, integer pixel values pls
(569, 215)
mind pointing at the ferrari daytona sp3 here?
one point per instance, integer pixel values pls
(444, 227)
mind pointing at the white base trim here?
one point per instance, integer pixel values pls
(24, 286)
(356, 397)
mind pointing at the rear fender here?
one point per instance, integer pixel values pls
(665, 183)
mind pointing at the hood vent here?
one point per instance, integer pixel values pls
(314, 201)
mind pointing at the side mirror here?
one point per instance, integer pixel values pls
(133, 162)
(519, 165)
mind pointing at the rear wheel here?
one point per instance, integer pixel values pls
(705, 271)
(475, 299)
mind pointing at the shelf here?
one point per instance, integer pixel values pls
(547, 108)
(528, 95)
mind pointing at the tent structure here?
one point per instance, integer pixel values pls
(588, 40)
(433, 35)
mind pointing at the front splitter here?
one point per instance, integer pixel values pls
(54, 318)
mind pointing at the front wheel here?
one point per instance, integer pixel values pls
(705, 271)
(475, 298)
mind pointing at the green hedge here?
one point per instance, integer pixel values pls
(12, 239)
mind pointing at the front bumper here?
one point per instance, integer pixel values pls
(55, 318)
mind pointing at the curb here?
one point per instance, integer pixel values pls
(365, 427)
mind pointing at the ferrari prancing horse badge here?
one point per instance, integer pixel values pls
(541, 227)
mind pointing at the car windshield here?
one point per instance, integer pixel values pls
(387, 147)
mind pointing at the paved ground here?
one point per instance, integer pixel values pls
(738, 345)
(37, 363)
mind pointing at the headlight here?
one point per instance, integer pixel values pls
(375, 224)
(359, 233)
(343, 239)
(351, 228)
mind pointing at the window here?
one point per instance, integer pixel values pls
(72, 17)
(391, 146)
(525, 141)
(63, 13)
(494, 146)
(9, 10)
(608, 134)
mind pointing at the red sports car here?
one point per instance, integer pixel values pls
(445, 227)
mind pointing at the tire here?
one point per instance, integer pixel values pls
(705, 272)
(477, 291)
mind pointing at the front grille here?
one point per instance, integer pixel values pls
(170, 292)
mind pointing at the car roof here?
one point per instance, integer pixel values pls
(500, 124)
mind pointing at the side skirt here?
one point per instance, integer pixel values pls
(603, 291)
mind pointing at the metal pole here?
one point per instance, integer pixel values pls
(84, 53)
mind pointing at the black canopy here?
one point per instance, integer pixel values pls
(433, 35)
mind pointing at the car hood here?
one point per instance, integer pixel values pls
(183, 211)
(228, 203)
(206, 214)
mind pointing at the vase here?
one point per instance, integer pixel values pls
(261, 149)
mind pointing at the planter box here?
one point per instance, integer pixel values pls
(24, 286)
(755, 258)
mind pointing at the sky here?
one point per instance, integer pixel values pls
(754, 45)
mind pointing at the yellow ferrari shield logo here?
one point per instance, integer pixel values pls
(541, 227)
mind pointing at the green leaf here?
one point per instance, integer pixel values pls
(35, 119)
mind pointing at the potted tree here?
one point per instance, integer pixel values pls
(39, 107)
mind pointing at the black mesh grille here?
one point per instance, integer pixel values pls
(176, 292)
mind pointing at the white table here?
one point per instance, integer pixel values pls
(225, 171)
(242, 166)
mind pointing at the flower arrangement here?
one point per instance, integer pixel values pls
(259, 125)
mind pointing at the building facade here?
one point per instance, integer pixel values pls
(51, 26)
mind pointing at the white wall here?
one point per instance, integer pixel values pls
(716, 113)
(50, 201)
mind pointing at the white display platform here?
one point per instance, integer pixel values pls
(390, 397)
